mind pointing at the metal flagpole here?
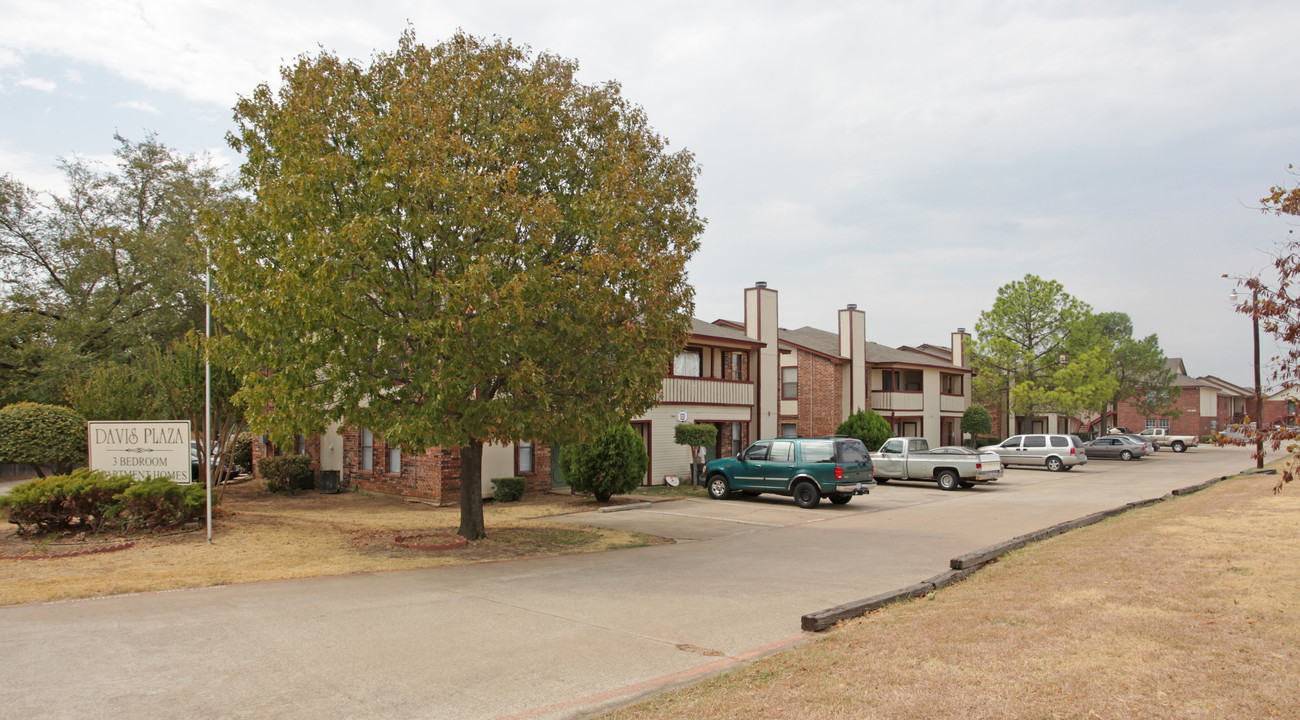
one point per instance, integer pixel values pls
(207, 382)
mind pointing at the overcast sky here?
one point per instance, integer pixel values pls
(909, 157)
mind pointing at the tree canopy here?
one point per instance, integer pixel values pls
(1039, 349)
(104, 270)
(1032, 348)
(454, 245)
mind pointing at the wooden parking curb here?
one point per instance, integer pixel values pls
(963, 566)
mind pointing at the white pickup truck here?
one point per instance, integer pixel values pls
(1160, 437)
(910, 458)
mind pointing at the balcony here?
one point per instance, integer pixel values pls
(706, 391)
(897, 401)
(952, 403)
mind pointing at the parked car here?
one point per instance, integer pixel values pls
(806, 469)
(1145, 442)
(1054, 452)
(910, 458)
(1116, 447)
(1162, 438)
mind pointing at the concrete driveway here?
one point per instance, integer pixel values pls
(542, 638)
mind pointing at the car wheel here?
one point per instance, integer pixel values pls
(948, 480)
(1054, 464)
(718, 487)
(840, 499)
(1179, 446)
(1125, 455)
(807, 495)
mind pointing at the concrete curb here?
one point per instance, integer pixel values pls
(621, 508)
(964, 566)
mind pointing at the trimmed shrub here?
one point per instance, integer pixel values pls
(867, 426)
(287, 474)
(94, 501)
(976, 421)
(614, 463)
(42, 435)
(508, 489)
(157, 503)
(241, 452)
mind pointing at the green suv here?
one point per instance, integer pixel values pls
(807, 469)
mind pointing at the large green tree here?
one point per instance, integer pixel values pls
(1138, 367)
(1035, 353)
(104, 269)
(454, 245)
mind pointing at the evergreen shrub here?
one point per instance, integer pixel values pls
(508, 489)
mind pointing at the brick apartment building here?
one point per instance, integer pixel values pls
(749, 379)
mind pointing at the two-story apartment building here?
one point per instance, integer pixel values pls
(1207, 404)
(749, 379)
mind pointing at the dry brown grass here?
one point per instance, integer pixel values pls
(269, 537)
(1187, 609)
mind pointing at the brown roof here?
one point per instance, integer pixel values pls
(1226, 387)
(702, 329)
(810, 338)
(828, 344)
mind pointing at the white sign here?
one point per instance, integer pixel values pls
(143, 449)
(682, 416)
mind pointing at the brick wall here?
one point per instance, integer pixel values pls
(1189, 422)
(820, 392)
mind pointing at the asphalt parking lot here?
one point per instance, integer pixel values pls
(698, 519)
(572, 634)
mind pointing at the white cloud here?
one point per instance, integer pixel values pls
(907, 156)
(141, 105)
(47, 86)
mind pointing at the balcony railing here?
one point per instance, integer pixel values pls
(952, 403)
(707, 391)
(898, 401)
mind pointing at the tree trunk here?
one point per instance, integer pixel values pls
(471, 491)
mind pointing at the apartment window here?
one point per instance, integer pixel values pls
(395, 460)
(889, 380)
(525, 457)
(788, 430)
(367, 450)
(689, 363)
(734, 366)
(952, 385)
(299, 445)
(1158, 423)
(789, 383)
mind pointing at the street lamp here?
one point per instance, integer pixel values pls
(1259, 394)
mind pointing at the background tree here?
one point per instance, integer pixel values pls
(105, 269)
(42, 436)
(614, 463)
(164, 385)
(976, 422)
(867, 426)
(454, 245)
(1022, 348)
(1142, 377)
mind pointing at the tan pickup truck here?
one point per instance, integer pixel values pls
(910, 458)
(1160, 437)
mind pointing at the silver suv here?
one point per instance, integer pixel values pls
(1054, 452)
